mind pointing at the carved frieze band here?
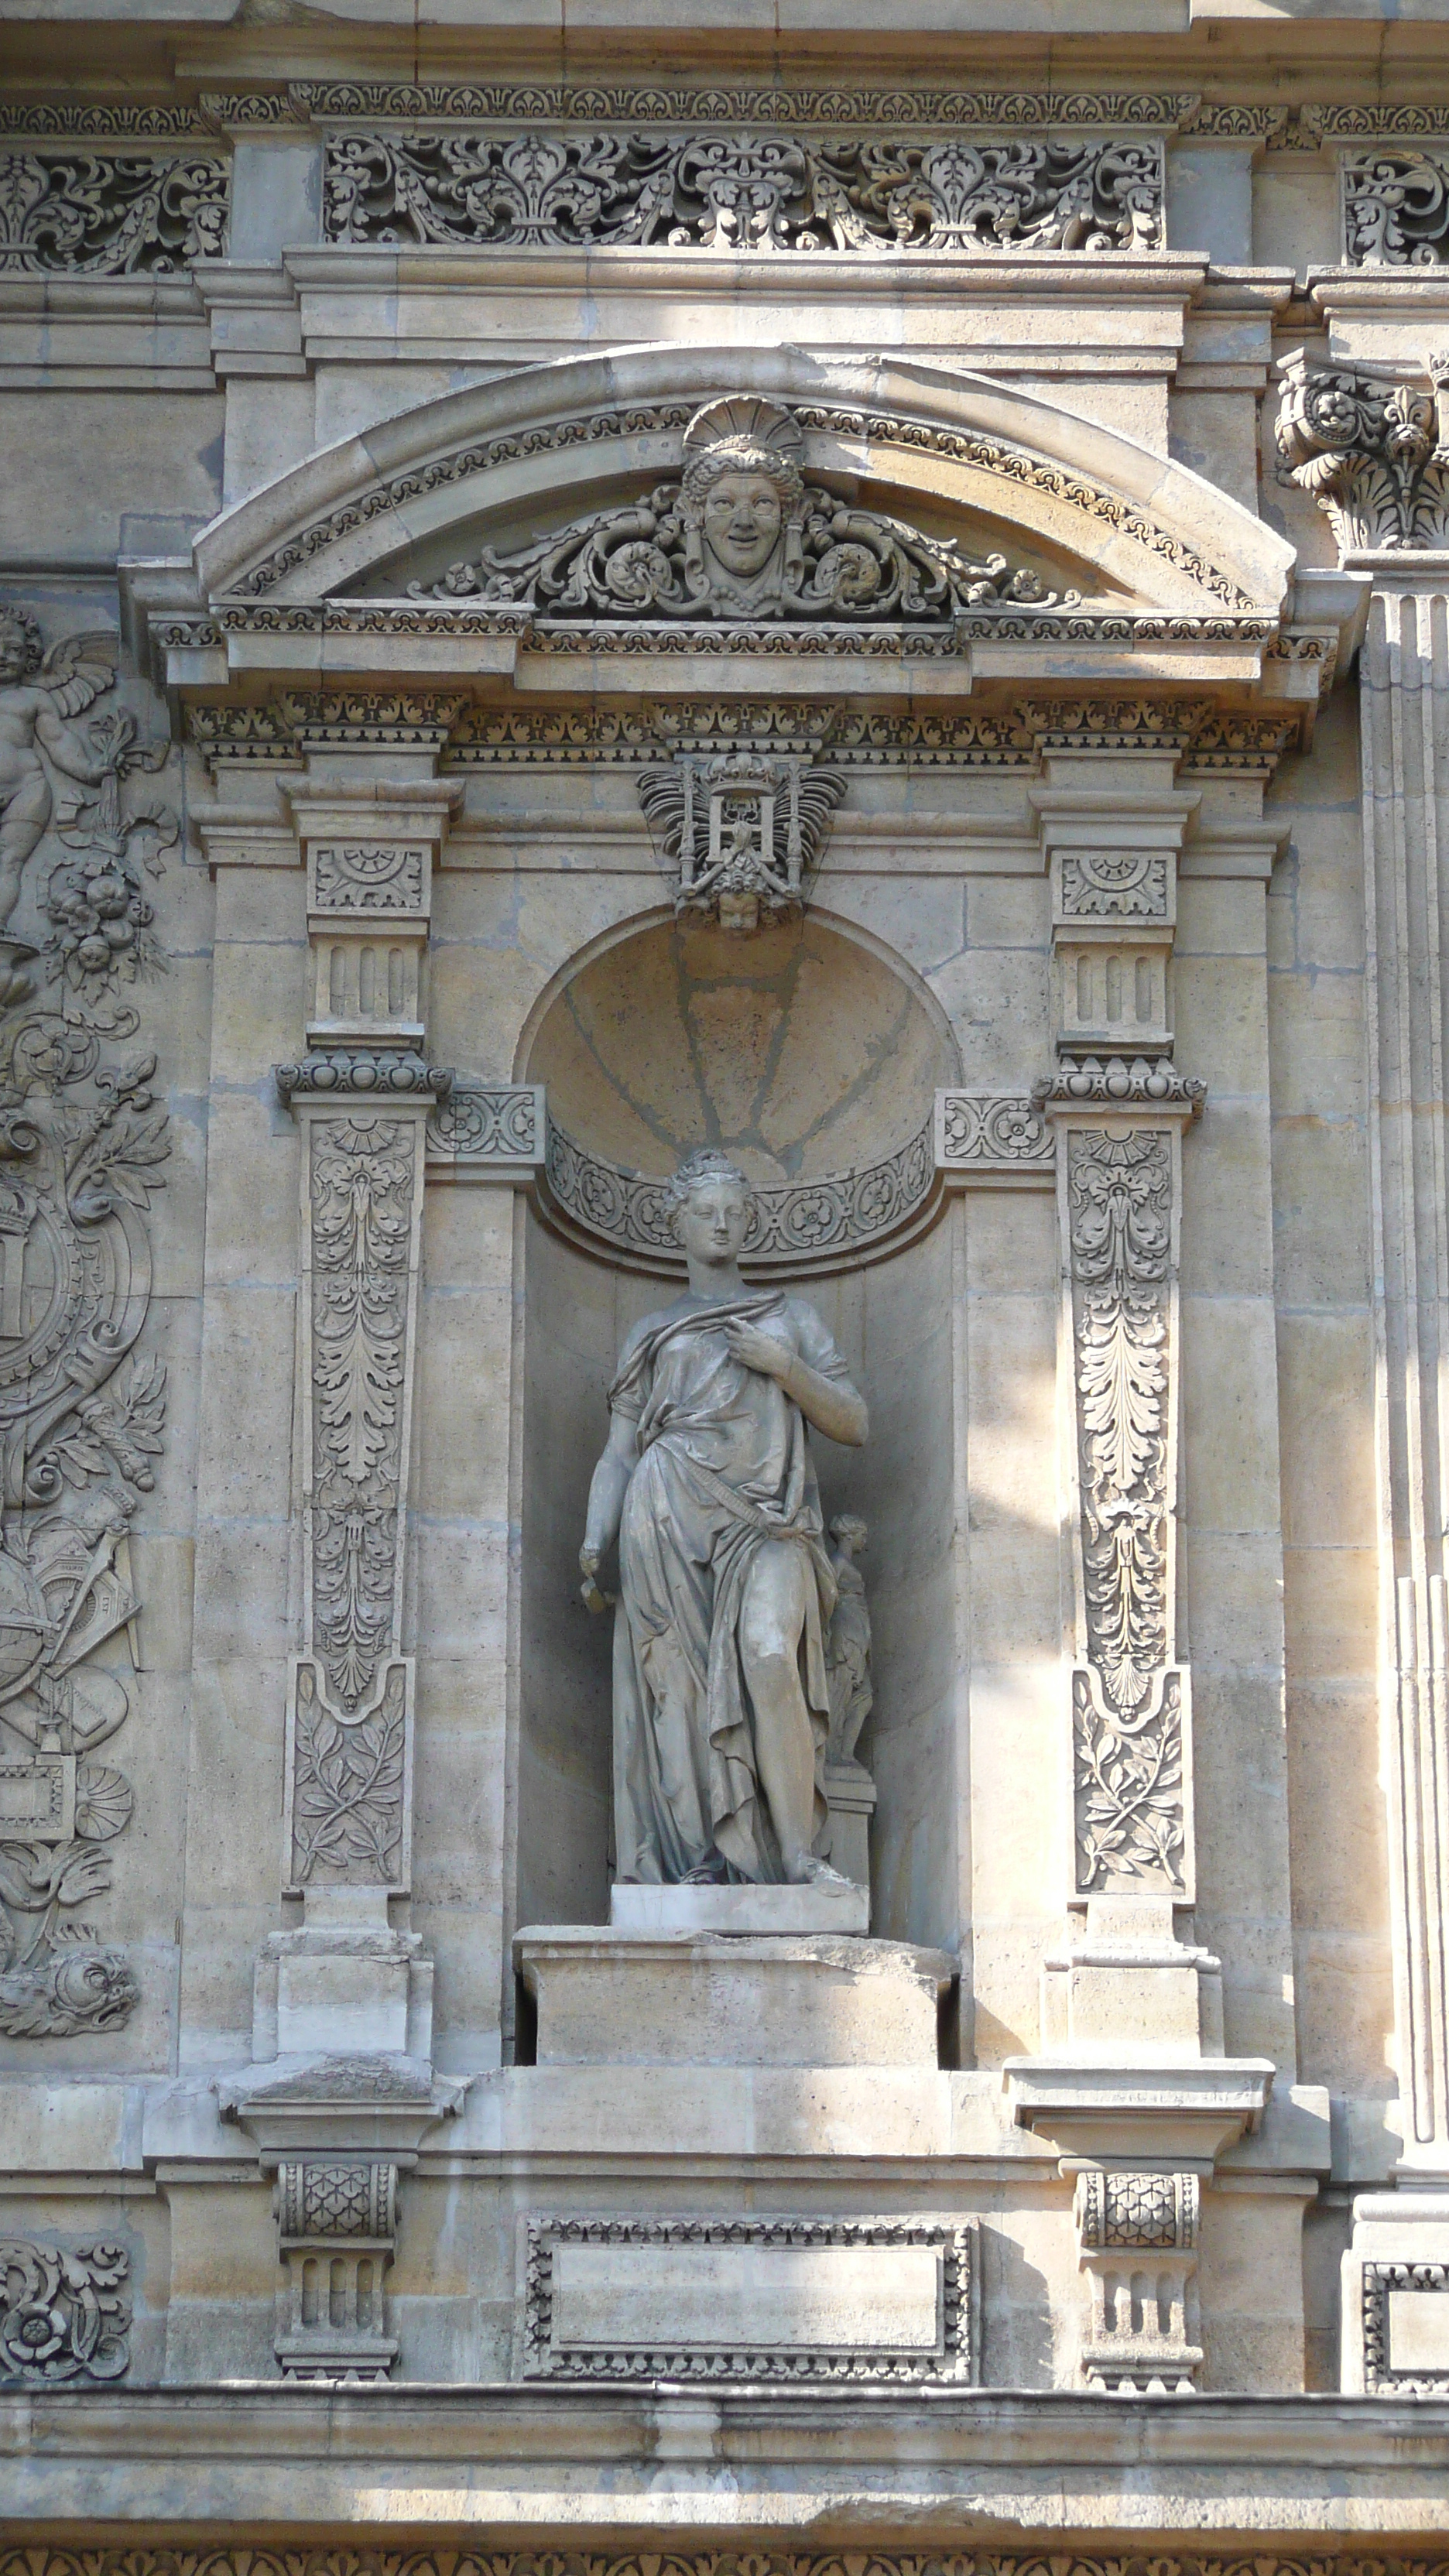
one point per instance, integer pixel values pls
(947, 2355)
(347, 1809)
(65, 2315)
(754, 191)
(110, 214)
(503, 1132)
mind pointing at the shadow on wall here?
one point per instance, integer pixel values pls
(801, 1051)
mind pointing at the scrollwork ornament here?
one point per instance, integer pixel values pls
(1396, 207)
(84, 213)
(747, 190)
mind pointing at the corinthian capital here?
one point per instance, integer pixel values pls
(1370, 450)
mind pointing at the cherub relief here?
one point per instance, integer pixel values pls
(38, 689)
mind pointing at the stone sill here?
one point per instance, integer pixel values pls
(524, 2460)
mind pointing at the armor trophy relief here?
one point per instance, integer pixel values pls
(728, 1594)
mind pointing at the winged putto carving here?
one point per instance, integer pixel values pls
(741, 535)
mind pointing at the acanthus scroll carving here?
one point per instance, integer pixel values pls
(744, 191)
(1128, 1753)
(110, 214)
(1396, 207)
(65, 2316)
(742, 534)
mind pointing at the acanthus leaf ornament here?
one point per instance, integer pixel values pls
(81, 213)
(1371, 450)
(65, 2315)
(741, 535)
(749, 189)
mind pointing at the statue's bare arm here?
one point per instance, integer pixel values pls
(830, 1404)
(606, 1500)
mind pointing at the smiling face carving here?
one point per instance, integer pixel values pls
(744, 514)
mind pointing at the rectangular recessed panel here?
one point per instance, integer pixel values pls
(755, 2297)
(1419, 2330)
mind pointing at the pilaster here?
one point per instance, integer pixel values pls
(1131, 2084)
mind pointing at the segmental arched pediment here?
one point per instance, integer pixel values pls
(558, 510)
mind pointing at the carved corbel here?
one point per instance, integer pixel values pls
(1370, 448)
(1137, 2245)
(336, 2234)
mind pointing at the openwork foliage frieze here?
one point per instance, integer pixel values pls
(750, 190)
(1396, 207)
(65, 2315)
(358, 2558)
(109, 214)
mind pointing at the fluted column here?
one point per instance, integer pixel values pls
(1369, 443)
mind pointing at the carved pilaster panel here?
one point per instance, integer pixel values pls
(347, 1816)
(1131, 1709)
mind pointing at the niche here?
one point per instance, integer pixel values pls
(804, 1051)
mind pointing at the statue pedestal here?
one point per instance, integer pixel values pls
(819, 1908)
(615, 1998)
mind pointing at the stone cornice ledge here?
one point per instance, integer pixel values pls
(653, 2467)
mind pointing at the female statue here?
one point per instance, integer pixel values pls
(721, 1698)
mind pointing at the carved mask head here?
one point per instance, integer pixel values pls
(742, 501)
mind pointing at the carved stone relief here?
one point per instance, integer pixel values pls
(65, 2315)
(82, 1139)
(1137, 2237)
(1387, 2373)
(744, 833)
(1128, 1768)
(110, 214)
(336, 2232)
(741, 534)
(751, 191)
(1370, 450)
(1396, 207)
(347, 1815)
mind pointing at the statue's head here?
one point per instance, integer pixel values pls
(21, 651)
(743, 495)
(713, 1203)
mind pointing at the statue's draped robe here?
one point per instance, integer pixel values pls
(724, 1467)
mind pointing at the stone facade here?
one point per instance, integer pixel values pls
(875, 599)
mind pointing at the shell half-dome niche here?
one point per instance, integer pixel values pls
(805, 1053)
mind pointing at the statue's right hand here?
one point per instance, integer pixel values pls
(589, 1592)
